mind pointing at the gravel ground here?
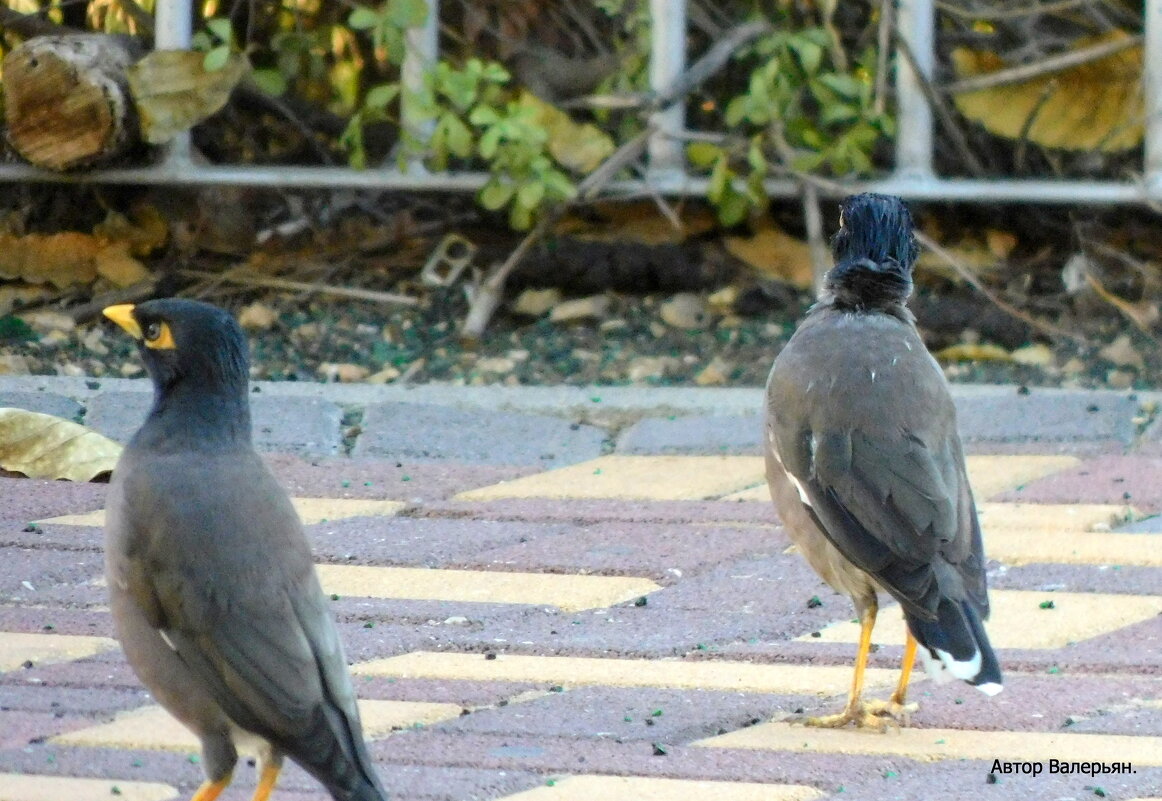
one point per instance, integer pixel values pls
(653, 339)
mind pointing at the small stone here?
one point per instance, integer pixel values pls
(1119, 379)
(715, 374)
(1073, 367)
(343, 372)
(384, 376)
(257, 317)
(519, 355)
(54, 339)
(723, 300)
(131, 369)
(685, 310)
(48, 321)
(644, 368)
(495, 364)
(535, 302)
(616, 324)
(572, 311)
(94, 341)
(1122, 353)
(657, 330)
(307, 332)
(456, 620)
(1037, 355)
(71, 370)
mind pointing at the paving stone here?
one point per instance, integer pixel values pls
(1047, 421)
(45, 403)
(736, 435)
(310, 510)
(1133, 480)
(642, 788)
(304, 425)
(17, 649)
(20, 787)
(420, 432)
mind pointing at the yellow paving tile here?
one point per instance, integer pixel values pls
(641, 788)
(654, 478)
(588, 671)
(152, 728)
(988, 475)
(1013, 546)
(935, 744)
(1018, 621)
(311, 510)
(46, 649)
(569, 593)
(1054, 516)
(30, 787)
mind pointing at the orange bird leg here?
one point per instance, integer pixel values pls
(211, 790)
(266, 782)
(854, 711)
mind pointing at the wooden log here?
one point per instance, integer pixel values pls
(67, 102)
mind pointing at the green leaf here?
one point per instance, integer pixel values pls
(407, 13)
(810, 54)
(843, 85)
(483, 115)
(381, 96)
(719, 182)
(703, 154)
(838, 112)
(221, 27)
(558, 184)
(489, 142)
(495, 73)
(273, 82)
(352, 140)
(733, 209)
(363, 18)
(459, 138)
(531, 194)
(216, 59)
(520, 217)
(494, 194)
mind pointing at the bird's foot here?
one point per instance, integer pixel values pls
(878, 715)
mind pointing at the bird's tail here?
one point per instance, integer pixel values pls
(955, 644)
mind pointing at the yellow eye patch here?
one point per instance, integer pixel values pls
(158, 336)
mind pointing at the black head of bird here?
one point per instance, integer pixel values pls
(197, 356)
(874, 251)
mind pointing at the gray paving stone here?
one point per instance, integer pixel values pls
(427, 432)
(45, 403)
(695, 434)
(1077, 420)
(303, 425)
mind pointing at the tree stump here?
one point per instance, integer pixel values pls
(67, 102)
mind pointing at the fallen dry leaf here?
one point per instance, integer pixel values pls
(1036, 355)
(1093, 106)
(42, 446)
(774, 254)
(174, 91)
(639, 221)
(579, 147)
(980, 352)
(1123, 353)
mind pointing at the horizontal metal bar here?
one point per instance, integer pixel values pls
(911, 187)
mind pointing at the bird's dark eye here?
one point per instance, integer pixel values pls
(152, 331)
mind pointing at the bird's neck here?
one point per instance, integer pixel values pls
(198, 418)
(852, 303)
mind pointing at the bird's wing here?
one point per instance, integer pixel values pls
(238, 599)
(889, 503)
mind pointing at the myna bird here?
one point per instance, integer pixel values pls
(213, 589)
(865, 464)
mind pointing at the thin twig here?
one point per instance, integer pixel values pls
(975, 13)
(1046, 66)
(947, 119)
(134, 293)
(233, 277)
(966, 273)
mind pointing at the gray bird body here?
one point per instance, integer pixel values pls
(864, 461)
(217, 603)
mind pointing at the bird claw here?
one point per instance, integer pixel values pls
(875, 714)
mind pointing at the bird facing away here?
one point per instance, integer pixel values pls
(212, 586)
(865, 466)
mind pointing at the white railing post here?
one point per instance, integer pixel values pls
(1152, 87)
(667, 63)
(422, 50)
(916, 19)
(173, 30)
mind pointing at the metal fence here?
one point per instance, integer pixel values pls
(913, 177)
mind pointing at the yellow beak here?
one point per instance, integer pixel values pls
(123, 315)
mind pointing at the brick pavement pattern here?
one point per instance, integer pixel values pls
(612, 612)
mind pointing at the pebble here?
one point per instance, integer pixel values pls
(1120, 379)
(131, 369)
(343, 372)
(94, 342)
(644, 368)
(685, 310)
(257, 317)
(54, 339)
(48, 321)
(1122, 353)
(715, 374)
(384, 376)
(573, 311)
(535, 302)
(495, 364)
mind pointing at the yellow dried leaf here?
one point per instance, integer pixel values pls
(578, 147)
(62, 259)
(966, 352)
(42, 446)
(174, 92)
(1093, 106)
(115, 265)
(145, 231)
(774, 254)
(639, 221)
(1000, 243)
